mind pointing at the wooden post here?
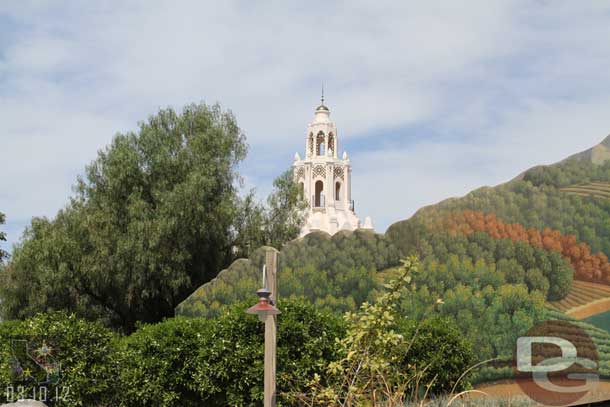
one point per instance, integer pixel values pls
(271, 262)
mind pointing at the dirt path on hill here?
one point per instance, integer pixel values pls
(590, 309)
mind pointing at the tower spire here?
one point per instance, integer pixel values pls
(322, 98)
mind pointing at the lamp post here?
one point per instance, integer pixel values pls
(263, 307)
(267, 313)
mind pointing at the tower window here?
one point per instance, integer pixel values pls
(320, 147)
(331, 144)
(338, 191)
(319, 196)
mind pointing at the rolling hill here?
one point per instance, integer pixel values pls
(495, 261)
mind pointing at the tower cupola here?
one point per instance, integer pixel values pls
(325, 179)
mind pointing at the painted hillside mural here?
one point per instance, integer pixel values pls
(135, 293)
(494, 262)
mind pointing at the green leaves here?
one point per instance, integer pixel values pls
(180, 362)
(152, 219)
(286, 209)
(336, 273)
(369, 371)
(219, 362)
(84, 350)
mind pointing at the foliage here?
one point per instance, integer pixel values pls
(338, 292)
(177, 362)
(373, 350)
(369, 371)
(587, 266)
(439, 351)
(84, 350)
(157, 363)
(273, 224)
(568, 173)
(336, 273)
(341, 252)
(285, 211)
(386, 360)
(489, 318)
(238, 282)
(155, 216)
(536, 201)
(501, 282)
(219, 362)
(477, 259)
(152, 218)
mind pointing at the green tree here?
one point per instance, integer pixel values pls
(152, 219)
(285, 211)
(273, 224)
(535, 280)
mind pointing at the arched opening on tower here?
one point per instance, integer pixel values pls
(331, 144)
(337, 191)
(320, 147)
(301, 189)
(319, 195)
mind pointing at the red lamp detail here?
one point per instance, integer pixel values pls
(263, 307)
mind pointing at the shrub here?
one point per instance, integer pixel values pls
(439, 350)
(219, 362)
(306, 344)
(84, 350)
(157, 363)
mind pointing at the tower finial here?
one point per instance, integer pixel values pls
(322, 98)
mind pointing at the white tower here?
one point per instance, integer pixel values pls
(325, 179)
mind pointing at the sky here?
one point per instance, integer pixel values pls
(431, 99)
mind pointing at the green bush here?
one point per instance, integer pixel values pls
(230, 364)
(83, 349)
(438, 349)
(219, 362)
(158, 361)
(178, 362)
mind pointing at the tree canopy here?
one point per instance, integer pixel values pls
(155, 215)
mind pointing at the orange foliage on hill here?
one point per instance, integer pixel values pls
(587, 266)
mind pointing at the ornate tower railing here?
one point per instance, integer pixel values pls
(320, 204)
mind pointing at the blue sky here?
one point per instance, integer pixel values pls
(431, 99)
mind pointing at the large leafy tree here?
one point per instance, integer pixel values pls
(152, 218)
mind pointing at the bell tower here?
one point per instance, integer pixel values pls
(325, 179)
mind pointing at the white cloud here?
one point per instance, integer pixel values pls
(485, 90)
(391, 184)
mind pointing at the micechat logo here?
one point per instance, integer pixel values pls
(556, 363)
